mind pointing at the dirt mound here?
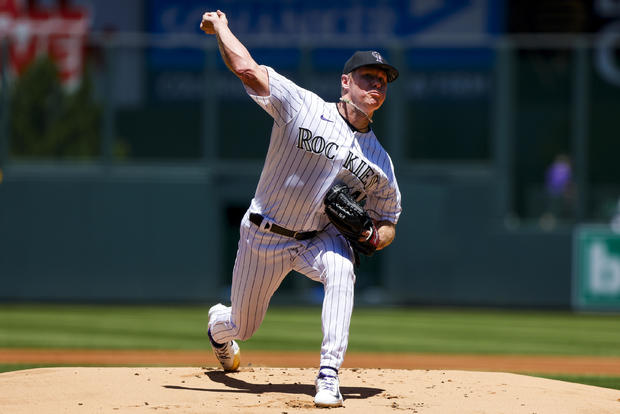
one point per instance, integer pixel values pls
(567, 364)
(291, 390)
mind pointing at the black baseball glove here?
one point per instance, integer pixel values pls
(351, 219)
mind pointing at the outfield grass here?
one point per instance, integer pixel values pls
(596, 380)
(372, 330)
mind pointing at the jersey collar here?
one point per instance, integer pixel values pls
(350, 124)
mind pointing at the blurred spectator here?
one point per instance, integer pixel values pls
(559, 190)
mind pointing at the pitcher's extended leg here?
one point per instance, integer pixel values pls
(262, 263)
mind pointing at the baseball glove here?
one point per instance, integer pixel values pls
(350, 219)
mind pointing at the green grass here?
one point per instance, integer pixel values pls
(19, 367)
(103, 327)
(486, 332)
(596, 380)
(372, 330)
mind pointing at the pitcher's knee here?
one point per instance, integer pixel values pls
(344, 269)
(344, 277)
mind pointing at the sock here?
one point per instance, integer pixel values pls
(328, 372)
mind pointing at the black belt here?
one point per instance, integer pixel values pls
(274, 228)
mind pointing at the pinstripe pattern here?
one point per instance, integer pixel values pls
(328, 260)
(294, 180)
(311, 148)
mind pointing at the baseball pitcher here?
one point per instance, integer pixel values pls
(326, 193)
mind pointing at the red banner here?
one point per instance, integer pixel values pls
(56, 32)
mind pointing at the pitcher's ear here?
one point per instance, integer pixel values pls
(344, 81)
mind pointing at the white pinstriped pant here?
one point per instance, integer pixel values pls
(264, 259)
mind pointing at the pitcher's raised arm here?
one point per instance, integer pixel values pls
(235, 55)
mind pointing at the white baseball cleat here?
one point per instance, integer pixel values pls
(328, 391)
(229, 353)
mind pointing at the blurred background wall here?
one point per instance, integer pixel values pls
(128, 152)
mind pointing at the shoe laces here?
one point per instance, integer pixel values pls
(328, 382)
(223, 352)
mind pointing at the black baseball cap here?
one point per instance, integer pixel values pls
(370, 58)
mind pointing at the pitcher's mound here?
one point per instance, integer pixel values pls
(288, 390)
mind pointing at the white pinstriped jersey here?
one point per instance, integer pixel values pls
(311, 148)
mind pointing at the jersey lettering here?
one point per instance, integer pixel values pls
(365, 174)
(368, 177)
(316, 144)
(349, 161)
